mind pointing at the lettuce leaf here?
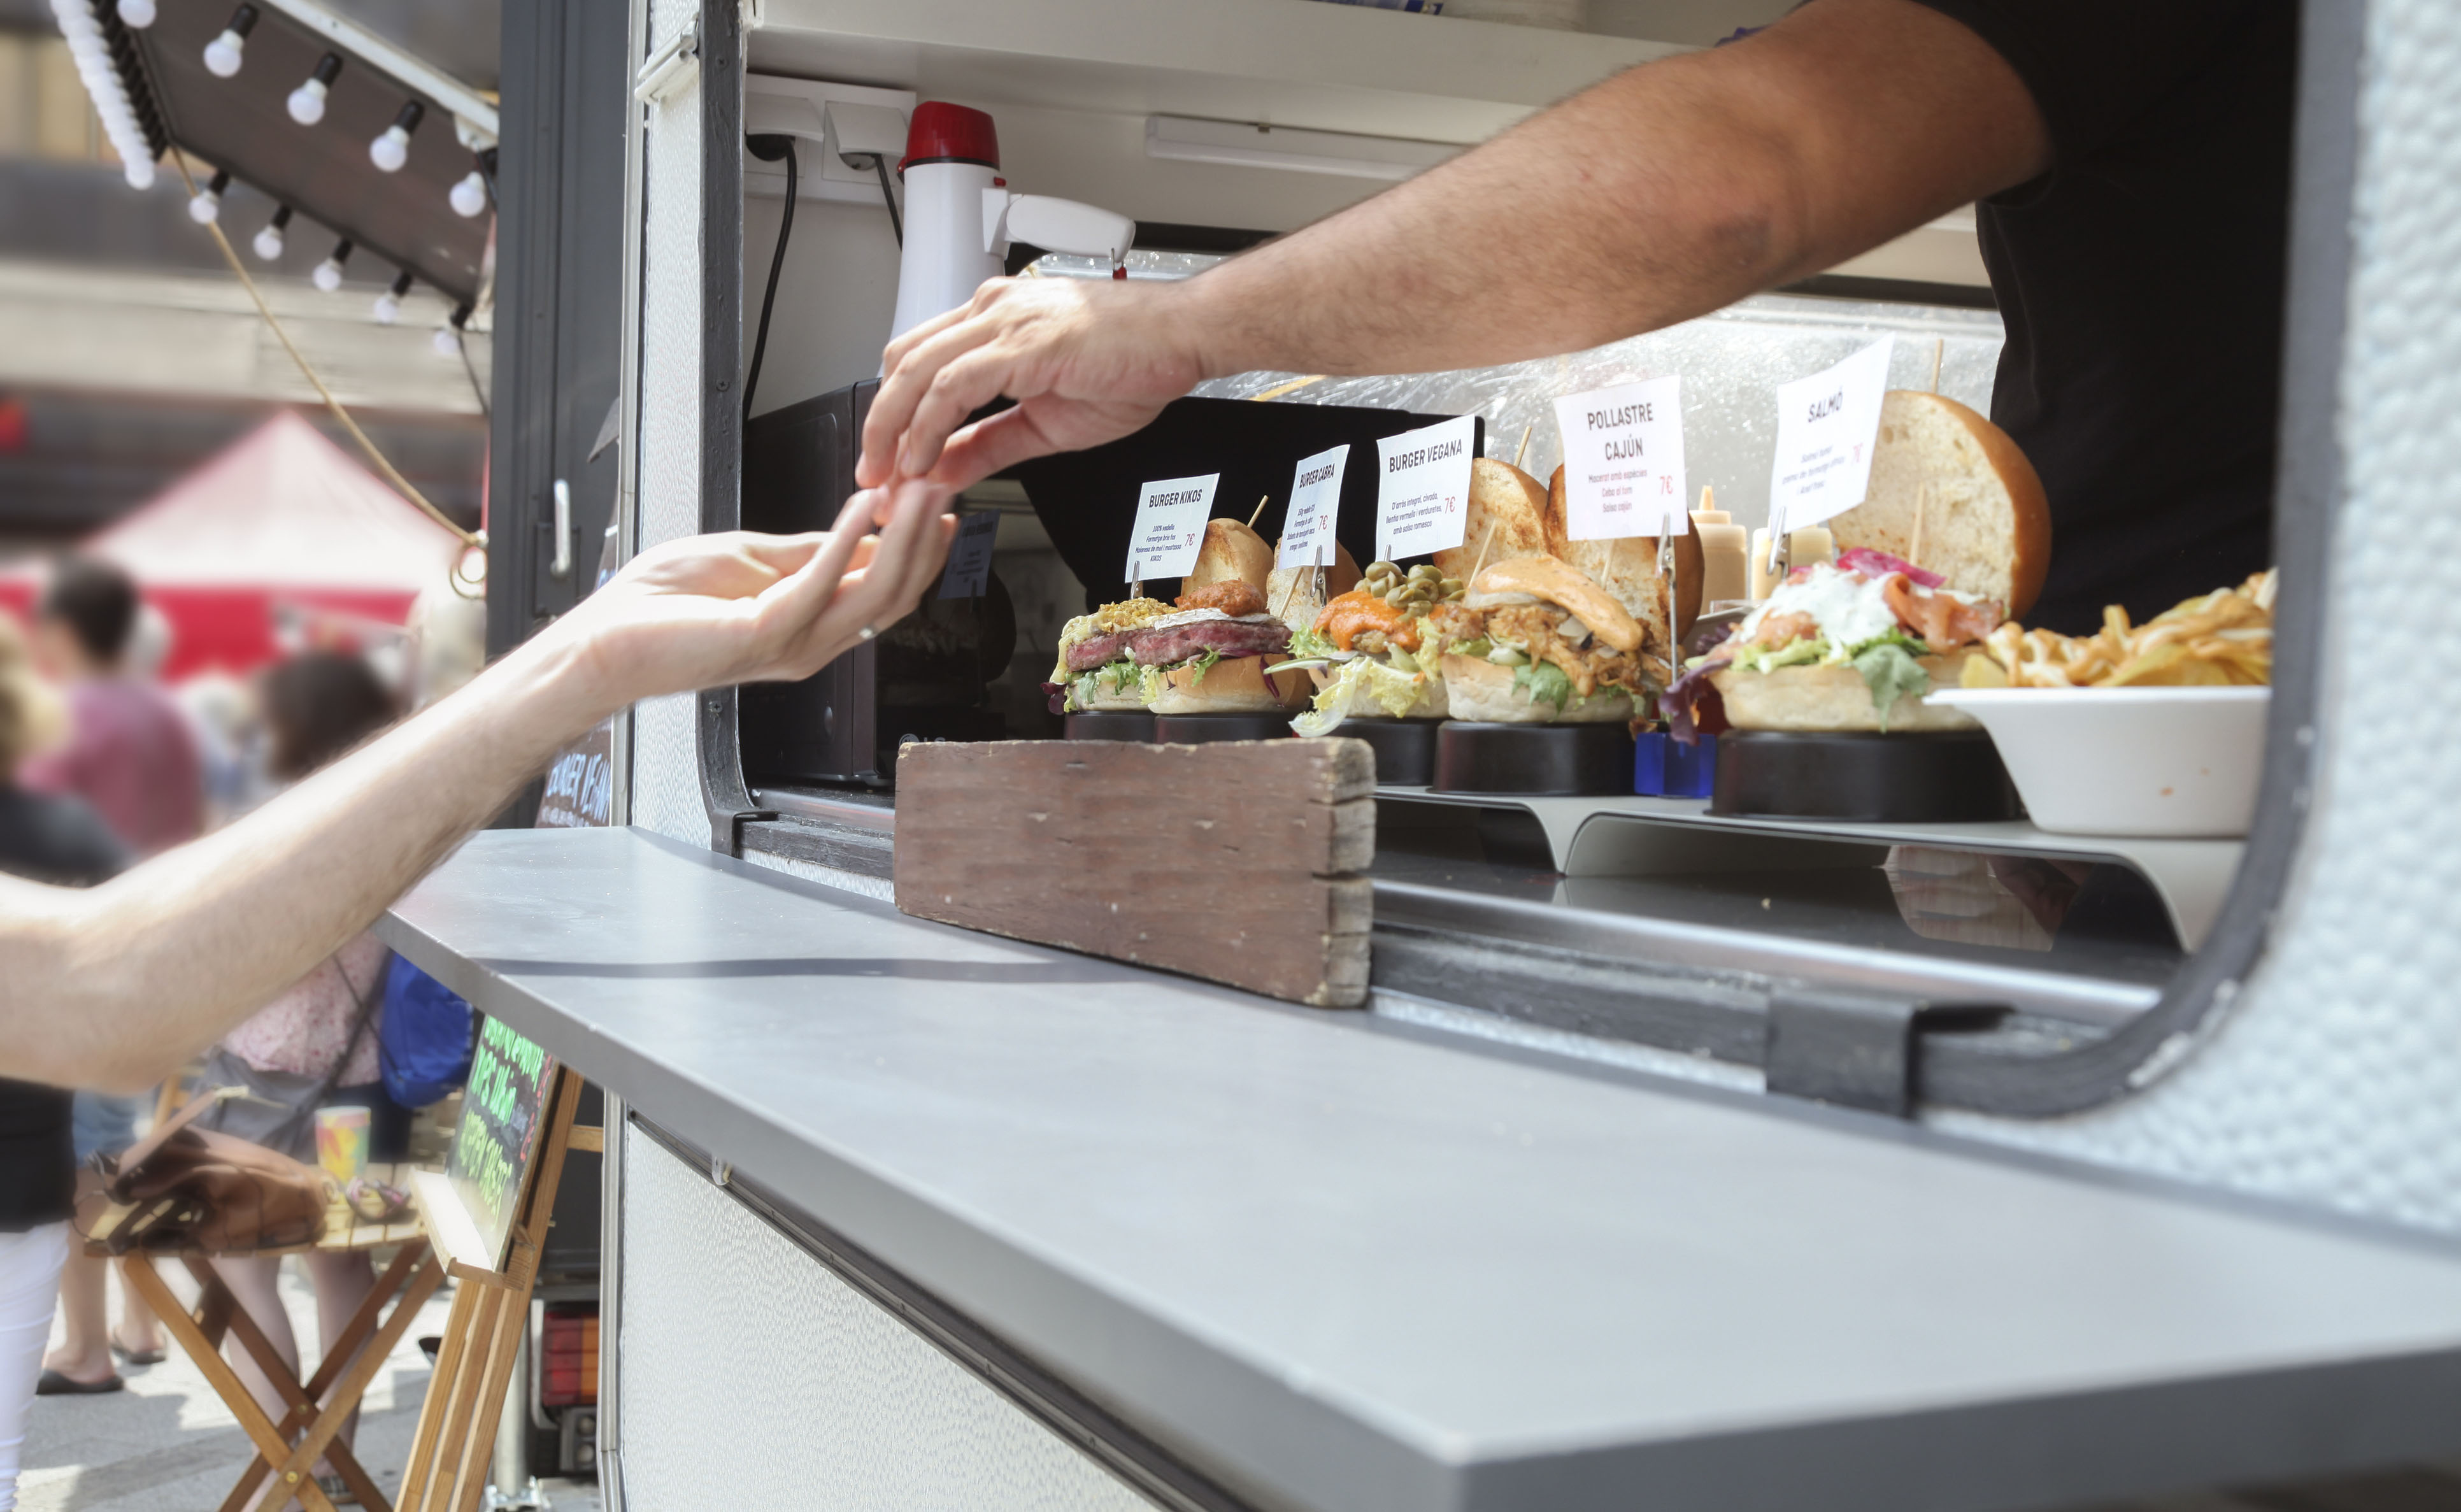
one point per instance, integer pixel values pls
(1478, 647)
(1202, 663)
(1890, 673)
(1545, 683)
(1361, 686)
(1795, 654)
(1307, 645)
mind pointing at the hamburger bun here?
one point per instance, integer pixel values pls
(1291, 595)
(1230, 550)
(1507, 501)
(1546, 578)
(1478, 690)
(1085, 691)
(1234, 685)
(1823, 699)
(1628, 570)
(1985, 524)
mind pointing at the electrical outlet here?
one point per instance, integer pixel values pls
(798, 106)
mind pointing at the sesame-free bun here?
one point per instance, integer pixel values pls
(1548, 580)
(1101, 695)
(1826, 699)
(1291, 595)
(1234, 685)
(1509, 502)
(1230, 550)
(1985, 524)
(1478, 690)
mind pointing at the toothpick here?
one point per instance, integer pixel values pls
(1708, 498)
(1288, 593)
(1938, 350)
(1137, 588)
(1482, 550)
(1523, 449)
(1260, 511)
(1922, 506)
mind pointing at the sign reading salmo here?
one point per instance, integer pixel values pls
(502, 1112)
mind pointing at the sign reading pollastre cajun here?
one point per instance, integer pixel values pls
(502, 1112)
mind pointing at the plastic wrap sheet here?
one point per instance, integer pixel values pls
(1731, 364)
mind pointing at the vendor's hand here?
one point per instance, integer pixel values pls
(707, 611)
(1088, 362)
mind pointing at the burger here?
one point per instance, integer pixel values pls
(1855, 644)
(1847, 646)
(1535, 641)
(1370, 652)
(1206, 653)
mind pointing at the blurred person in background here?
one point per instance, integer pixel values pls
(61, 840)
(130, 755)
(315, 1045)
(448, 642)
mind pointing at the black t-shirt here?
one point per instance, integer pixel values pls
(53, 840)
(2142, 284)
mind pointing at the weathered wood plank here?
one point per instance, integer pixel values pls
(1239, 862)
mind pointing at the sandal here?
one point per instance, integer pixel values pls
(135, 1356)
(51, 1383)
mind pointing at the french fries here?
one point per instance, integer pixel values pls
(2224, 639)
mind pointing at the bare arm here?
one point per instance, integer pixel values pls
(1663, 193)
(117, 985)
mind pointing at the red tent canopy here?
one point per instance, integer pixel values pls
(281, 520)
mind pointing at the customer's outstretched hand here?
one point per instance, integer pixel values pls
(710, 610)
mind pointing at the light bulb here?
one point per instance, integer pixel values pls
(139, 13)
(308, 102)
(390, 151)
(222, 55)
(327, 275)
(446, 341)
(389, 302)
(470, 195)
(206, 208)
(268, 243)
(140, 173)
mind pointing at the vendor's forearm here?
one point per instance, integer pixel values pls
(1667, 192)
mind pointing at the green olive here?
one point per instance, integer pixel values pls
(1382, 569)
(1454, 587)
(1426, 571)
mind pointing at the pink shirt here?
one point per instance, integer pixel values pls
(305, 1029)
(130, 755)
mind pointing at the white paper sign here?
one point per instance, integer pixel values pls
(1315, 500)
(1422, 488)
(1169, 527)
(1623, 461)
(1825, 425)
(970, 556)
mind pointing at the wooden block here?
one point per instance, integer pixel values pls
(1239, 862)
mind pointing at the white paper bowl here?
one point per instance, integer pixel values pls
(2166, 761)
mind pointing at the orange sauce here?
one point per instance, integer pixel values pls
(1358, 610)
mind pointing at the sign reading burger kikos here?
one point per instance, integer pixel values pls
(1422, 488)
(1169, 527)
(1624, 460)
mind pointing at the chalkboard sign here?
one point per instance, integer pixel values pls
(502, 1112)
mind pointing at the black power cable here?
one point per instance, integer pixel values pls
(896, 226)
(769, 148)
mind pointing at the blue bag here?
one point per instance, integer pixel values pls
(423, 1040)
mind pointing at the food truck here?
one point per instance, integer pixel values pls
(1670, 1148)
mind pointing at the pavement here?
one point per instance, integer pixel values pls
(168, 1445)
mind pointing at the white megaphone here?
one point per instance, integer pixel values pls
(960, 215)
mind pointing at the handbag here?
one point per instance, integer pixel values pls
(276, 1105)
(185, 1188)
(423, 1040)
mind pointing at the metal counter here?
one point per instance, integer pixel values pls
(1339, 1263)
